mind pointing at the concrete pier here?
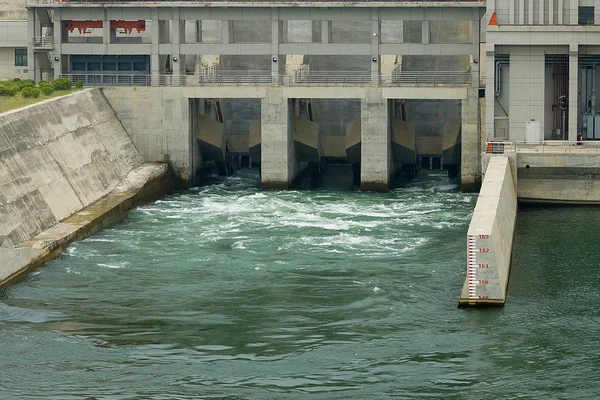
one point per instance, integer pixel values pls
(490, 237)
(470, 142)
(279, 165)
(376, 154)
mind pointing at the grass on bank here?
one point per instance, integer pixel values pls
(18, 101)
(19, 93)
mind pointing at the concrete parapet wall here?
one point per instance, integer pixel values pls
(558, 178)
(57, 157)
(555, 177)
(490, 237)
(157, 121)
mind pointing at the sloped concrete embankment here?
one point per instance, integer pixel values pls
(490, 237)
(67, 169)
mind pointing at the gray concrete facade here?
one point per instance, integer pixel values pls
(545, 46)
(167, 26)
(365, 51)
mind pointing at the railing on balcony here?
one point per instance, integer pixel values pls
(216, 77)
(43, 42)
(543, 147)
(480, 3)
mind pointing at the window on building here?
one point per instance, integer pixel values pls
(586, 15)
(21, 57)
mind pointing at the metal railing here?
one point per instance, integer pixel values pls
(215, 77)
(543, 147)
(46, 42)
(480, 3)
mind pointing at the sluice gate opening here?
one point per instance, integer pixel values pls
(225, 135)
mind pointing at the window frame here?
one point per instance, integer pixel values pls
(21, 57)
(586, 15)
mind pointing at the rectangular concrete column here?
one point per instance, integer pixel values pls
(522, 12)
(475, 39)
(155, 67)
(530, 13)
(277, 60)
(425, 35)
(551, 13)
(59, 35)
(325, 31)
(177, 37)
(226, 32)
(109, 35)
(470, 169)
(490, 75)
(376, 164)
(375, 40)
(573, 90)
(31, 63)
(560, 12)
(279, 165)
(574, 14)
(526, 90)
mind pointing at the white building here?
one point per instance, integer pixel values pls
(541, 63)
(13, 49)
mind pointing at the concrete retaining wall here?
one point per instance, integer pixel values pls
(490, 237)
(157, 120)
(558, 178)
(57, 157)
(554, 176)
(145, 183)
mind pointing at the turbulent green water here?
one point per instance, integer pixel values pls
(227, 292)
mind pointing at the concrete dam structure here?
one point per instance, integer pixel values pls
(67, 169)
(262, 62)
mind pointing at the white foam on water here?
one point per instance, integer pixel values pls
(238, 245)
(115, 265)
(100, 239)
